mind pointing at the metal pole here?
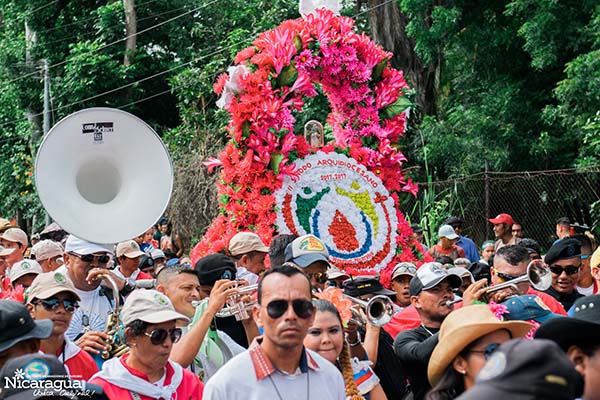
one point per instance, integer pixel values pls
(46, 124)
(487, 197)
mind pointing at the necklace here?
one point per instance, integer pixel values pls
(428, 331)
(307, 386)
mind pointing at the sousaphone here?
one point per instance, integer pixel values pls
(104, 175)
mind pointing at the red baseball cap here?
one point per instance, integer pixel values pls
(502, 219)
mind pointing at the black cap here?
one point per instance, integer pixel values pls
(522, 369)
(16, 325)
(531, 245)
(416, 228)
(214, 267)
(23, 378)
(362, 285)
(582, 329)
(562, 250)
(455, 221)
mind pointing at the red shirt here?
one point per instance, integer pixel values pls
(79, 364)
(190, 387)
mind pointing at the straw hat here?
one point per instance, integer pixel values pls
(462, 327)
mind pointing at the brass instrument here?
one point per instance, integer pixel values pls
(538, 276)
(379, 309)
(117, 345)
(237, 305)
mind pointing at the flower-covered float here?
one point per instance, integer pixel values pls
(347, 191)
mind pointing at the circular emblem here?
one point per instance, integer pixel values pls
(36, 369)
(59, 278)
(493, 367)
(161, 299)
(345, 205)
(25, 266)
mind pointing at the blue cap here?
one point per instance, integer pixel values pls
(528, 307)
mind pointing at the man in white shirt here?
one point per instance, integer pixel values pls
(277, 366)
(249, 252)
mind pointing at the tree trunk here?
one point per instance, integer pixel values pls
(388, 27)
(130, 31)
(32, 114)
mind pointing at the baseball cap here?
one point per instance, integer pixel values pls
(37, 368)
(16, 235)
(562, 250)
(4, 224)
(455, 221)
(335, 273)
(53, 227)
(404, 268)
(462, 272)
(448, 232)
(306, 250)
(129, 249)
(581, 328)
(245, 242)
(362, 285)
(5, 251)
(528, 307)
(16, 325)
(213, 267)
(522, 369)
(83, 247)
(429, 275)
(150, 306)
(157, 253)
(48, 284)
(502, 219)
(46, 249)
(24, 267)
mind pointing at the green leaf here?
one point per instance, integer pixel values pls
(287, 77)
(396, 108)
(378, 70)
(276, 159)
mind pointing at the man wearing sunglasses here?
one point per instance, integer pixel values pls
(564, 261)
(52, 296)
(146, 372)
(86, 265)
(586, 285)
(310, 254)
(277, 366)
(511, 262)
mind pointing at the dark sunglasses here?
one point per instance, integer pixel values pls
(88, 258)
(158, 336)
(487, 351)
(507, 277)
(320, 277)
(303, 308)
(569, 269)
(70, 305)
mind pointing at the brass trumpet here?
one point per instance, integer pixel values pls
(236, 306)
(379, 309)
(538, 276)
(116, 336)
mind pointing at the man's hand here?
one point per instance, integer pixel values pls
(474, 292)
(220, 293)
(96, 274)
(93, 342)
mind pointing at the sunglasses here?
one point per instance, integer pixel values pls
(507, 277)
(487, 351)
(70, 305)
(569, 269)
(158, 336)
(303, 308)
(88, 258)
(585, 256)
(320, 277)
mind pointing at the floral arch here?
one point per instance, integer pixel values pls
(265, 92)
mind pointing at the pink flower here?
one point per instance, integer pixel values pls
(212, 163)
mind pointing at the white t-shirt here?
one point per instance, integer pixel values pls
(92, 312)
(588, 291)
(237, 380)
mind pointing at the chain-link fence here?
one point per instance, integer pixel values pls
(534, 199)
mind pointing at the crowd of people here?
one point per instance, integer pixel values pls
(136, 320)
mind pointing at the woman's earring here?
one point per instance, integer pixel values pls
(463, 372)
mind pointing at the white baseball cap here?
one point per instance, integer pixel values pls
(150, 306)
(24, 267)
(16, 235)
(448, 232)
(83, 247)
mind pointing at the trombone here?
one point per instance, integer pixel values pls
(538, 276)
(379, 309)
